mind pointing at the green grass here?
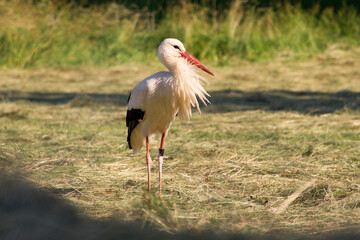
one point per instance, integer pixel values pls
(232, 168)
(45, 34)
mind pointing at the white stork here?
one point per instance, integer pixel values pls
(155, 102)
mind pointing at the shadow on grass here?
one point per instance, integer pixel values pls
(283, 100)
(57, 98)
(221, 101)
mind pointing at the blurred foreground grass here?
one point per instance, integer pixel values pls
(272, 128)
(48, 34)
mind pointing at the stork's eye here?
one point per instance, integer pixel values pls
(176, 47)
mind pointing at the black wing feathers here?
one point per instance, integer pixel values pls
(132, 120)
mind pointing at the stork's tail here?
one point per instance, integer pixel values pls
(137, 140)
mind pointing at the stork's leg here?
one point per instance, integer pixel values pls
(160, 157)
(148, 162)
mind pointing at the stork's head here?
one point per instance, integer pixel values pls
(172, 53)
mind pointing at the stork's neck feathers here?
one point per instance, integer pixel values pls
(187, 85)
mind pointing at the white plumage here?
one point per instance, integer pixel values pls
(155, 101)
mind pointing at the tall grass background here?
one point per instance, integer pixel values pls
(46, 34)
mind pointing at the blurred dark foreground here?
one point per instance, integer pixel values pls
(26, 212)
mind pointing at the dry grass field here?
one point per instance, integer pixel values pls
(277, 150)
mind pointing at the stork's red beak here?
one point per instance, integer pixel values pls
(195, 62)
